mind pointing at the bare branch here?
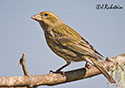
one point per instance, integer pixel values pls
(54, 78)
(22, 62)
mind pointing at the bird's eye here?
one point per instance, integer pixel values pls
(45, 14)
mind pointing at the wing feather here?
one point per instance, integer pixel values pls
(66, 36)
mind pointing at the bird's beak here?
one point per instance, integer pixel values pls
(37, 17)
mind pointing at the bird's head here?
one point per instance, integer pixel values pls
(47, 19)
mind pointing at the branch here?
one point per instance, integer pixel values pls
(53, 78)
(22, 62)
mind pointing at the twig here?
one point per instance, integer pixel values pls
(22, 62)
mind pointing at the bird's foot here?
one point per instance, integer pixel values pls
(87, 65)
(60, 72)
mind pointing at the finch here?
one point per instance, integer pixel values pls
(67, 43)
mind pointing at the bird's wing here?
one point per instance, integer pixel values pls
(85, 51)
(66, 35)
(85, 43)
(72, 40)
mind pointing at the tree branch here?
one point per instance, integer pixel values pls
(53, 78)
(22, 62)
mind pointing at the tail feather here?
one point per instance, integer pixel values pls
(103, 70)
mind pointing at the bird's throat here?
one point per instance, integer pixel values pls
(43, 25)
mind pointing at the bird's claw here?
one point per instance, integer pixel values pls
(87, 65)
(51, 71)
(60, 72)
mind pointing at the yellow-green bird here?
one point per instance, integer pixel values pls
(67, 43)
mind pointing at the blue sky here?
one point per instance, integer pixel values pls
(104, 29)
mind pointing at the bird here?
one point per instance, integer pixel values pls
(67, 43)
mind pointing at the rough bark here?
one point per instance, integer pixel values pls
(53, 78)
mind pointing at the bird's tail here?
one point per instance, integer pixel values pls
(98, 65)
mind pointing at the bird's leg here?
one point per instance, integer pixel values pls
(88, 60)
(59, 70)
(87, 65)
